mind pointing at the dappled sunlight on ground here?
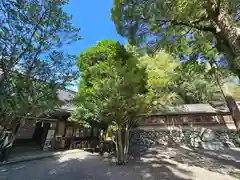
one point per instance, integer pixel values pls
(195, 161)
(62, 159)
(154, 169)
(154, 164)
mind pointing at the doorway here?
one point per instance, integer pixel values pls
(40, 133)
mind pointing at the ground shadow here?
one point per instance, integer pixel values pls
(86, 166)
(217, 161)
(146, 164)
(159, 169)
(199, 158)
(219, 156)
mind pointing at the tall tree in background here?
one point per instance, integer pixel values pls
(32, 65)
(214, 23)
(194, 84)
(111, 90)
(196, 29)
(172, 82)
(159, 68)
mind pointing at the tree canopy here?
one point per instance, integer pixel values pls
(159, 68)
(111, 90)
(194, 83)
(32, 63)
(182, 26)
(32, 33)
(110, 85)
(172, 82)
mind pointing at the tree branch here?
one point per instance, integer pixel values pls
(40, 43)
(192, 24)
(218, 7)
(28, 44)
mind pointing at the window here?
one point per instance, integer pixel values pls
(81, 134)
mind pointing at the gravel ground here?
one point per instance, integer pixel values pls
(87, 166)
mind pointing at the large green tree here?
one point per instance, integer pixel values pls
(25, 98)
(172, 82)
(159, 68)
(32, 64)
(194, 83)
(111, 90)
(208, 29)
(213, 25)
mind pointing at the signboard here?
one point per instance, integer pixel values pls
(50, 134)
(49, 138)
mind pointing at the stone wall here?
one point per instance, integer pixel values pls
(192, 137)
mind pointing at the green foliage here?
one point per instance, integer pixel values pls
(31, 28)
(194, 84)
(149, 16)
(26, 94)
(236, 92)
(160, 69)
(171, 82)
(104, 51)
(32, 64)
(232, 87)
(168, 24)
(111, 89)
(136, 51)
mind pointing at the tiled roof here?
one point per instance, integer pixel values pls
(192, 108)
(222, 106)
(66, 96)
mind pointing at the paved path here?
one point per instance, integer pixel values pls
(28, 156)
(87, 166)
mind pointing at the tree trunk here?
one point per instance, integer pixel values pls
(122, 146)
(225, 24)
(227, 33)
(126, 145)
(119, 148)
(231, 104)
(228, 39)
(2, 78)
(229, 29)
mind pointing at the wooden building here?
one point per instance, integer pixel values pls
(55, 131)
(47, 132)
(185, 116)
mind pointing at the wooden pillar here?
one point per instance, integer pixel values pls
(167, 121)
(72, 136)
(55, 133)
(232, 105)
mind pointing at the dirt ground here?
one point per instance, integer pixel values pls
(156, 163)
(192, 163)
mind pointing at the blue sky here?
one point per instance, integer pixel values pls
(93, 17)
